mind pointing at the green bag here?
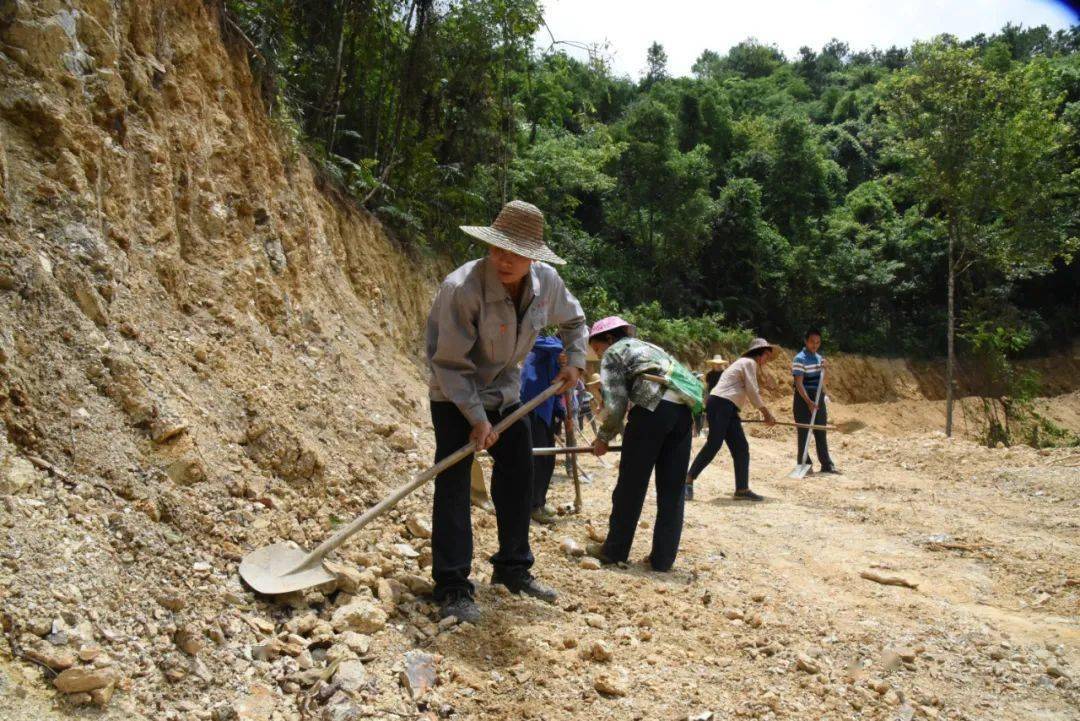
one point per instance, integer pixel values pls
(686, 384)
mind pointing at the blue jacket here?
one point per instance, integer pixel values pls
(540, 368)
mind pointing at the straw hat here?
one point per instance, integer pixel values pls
(611, 323)
(755, 344)
(718, 360)
(519, 229)
(594, 379)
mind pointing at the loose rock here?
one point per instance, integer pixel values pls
(418, 676)
(77, 680)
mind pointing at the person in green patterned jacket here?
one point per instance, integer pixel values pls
(658, 432)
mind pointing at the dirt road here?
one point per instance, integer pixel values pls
(766, 614)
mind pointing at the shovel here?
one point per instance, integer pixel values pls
(805, 466)
(282, 567)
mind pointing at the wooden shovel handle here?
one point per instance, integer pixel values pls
(795, 425)
(420, 479)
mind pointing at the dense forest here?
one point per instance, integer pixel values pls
(844, 188)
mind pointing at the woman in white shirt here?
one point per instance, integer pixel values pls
(737, 385)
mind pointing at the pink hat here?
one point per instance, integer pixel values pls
(611, 323)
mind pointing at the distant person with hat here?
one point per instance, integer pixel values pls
(585, 400)
(485, 319)
(658, 431)
(806, 370)
(737, 386)
(717, 364)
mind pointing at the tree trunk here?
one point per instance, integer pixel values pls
(950, 364)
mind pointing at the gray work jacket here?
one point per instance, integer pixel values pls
(475, 345)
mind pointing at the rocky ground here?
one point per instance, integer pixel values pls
(766, 615)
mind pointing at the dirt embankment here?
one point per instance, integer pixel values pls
(199, 350)
(868, 379)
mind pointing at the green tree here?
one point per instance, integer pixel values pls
(982, 149)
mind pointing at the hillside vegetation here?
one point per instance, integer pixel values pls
(765, 192)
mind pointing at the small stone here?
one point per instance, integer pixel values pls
(1055, 672)
(189, 639)
(907, 654)
(418, 675)
(100, 697)
(356, 642)
(590, 564)
(258, 705)
(600, 651)
(890, 660)
(571, 547)
(569, 641)
(349, 578)
(807, 664)
(611, 685)
(404, 550)
(447, 623)
(171, 601)
(89, 653)
(57, 659)
(732, 614)
(401, 440)
(351, 675)
(595, 620)
(701, 716)
(77, 680)
(418, 526)
(362, 616)
(418, 585)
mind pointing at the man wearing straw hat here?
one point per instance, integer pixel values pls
(485, 319)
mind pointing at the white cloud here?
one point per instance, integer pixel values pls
(686, 27)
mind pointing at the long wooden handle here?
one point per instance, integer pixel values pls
(423, 477)
(813, 416)
(795, 425)
(560, 450)
(571, 425)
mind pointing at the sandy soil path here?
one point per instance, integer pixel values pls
(766, 614)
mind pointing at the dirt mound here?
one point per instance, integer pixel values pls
(868, 379)
(200, 351)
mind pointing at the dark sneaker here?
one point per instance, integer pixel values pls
(543, 516)
(596, 550)
(832, 469)
(688, 493)
(526, 584)
(748, 495)
(459, 603)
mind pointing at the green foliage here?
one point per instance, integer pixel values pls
(762, 192)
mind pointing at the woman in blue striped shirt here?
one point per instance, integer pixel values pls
(806, 368)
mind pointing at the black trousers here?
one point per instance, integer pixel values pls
(724, 425)
(511, 492)
(543, 436)
(802, 412)
(659, 439)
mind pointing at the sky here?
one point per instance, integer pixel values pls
(686, 27)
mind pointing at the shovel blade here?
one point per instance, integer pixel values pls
(800, 470)
(280, 568)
